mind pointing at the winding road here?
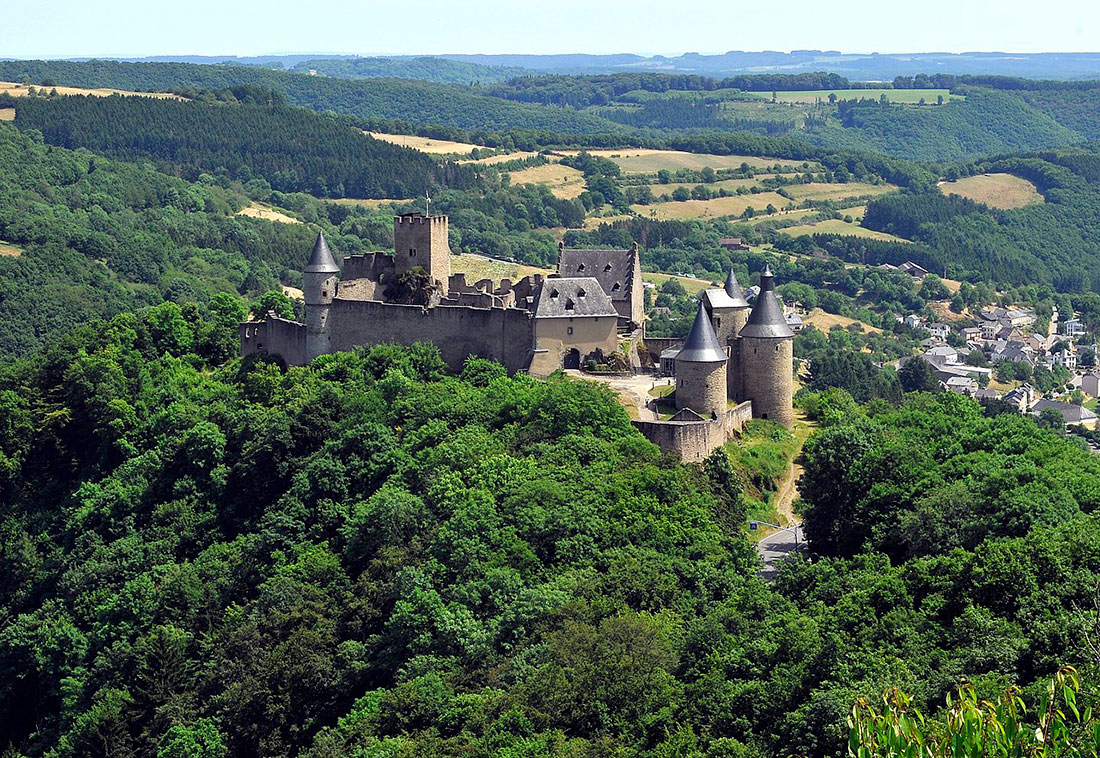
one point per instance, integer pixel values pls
(776, 547)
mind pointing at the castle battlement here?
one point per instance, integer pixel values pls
(420, 218)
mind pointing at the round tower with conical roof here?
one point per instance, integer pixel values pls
(728, 309)
(766, 357)
(319, 286)
(701, 370)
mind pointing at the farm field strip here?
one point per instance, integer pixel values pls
(8, 250)
(563, 181)
(838, 226)
(260, 210)
(901, 96)
(21, 90)
(424, 144)
(1003, 191)
(650, 161)
(820, 191)
(734, 205)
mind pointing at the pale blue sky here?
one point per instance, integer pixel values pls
(69, 28)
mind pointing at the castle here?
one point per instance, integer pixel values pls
(591, 308)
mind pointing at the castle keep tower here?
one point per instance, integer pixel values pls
(701, 370)
(319, 287)
(420, 240)
(765, 357)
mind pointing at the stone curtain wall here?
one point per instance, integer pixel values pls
(275, 336)
(504, 335)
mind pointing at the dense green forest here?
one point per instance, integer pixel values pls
(396, 99)
(373, 557)
(428, 69)
(985, 122)
(293, 149)
(1057, 241)
(991, 119)
(98, 237)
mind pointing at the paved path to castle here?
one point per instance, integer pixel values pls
(778, 546)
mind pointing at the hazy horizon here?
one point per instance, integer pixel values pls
(128, 29)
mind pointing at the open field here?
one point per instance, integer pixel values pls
(727, 184)
(20, 90)
(650, 161)
(425, 144)
(502, 158)
(797, 213)
(838, 226)
(260, 210)
(594, 222)
(478, 267)
(563, 181)
(825, 321)
(369, 203)
(7, 114)
(9, 250)
(718, 206)
(908, 96)
(819, 191)
(1003, 191)
(692, 285)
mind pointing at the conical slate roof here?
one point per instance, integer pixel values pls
(729, 296)
(766, 318)
(733, 289)
(321, 260)
(701, 345)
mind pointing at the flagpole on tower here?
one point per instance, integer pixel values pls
(427, 202)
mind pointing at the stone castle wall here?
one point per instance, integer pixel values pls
(767, 377)
(275, 336)
(701, 387)
(695, 440)
(504, 335)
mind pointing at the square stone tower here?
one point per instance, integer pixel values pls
(420, 240)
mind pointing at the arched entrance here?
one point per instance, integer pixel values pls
(572, 359)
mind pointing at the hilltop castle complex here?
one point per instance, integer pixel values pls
(591, 308)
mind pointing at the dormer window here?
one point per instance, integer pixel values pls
(580, 293)
(553, 293)
(617, 287)
(580, 267)
(569, 304)
(607, 267)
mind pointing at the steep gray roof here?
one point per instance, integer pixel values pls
(1073, 414)
(729, 296)
(609, 267)
(733, 289)
(701, 344)
(766, 318)
(566, 298)
(321, 260)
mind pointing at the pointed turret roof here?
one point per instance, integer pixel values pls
(766, 318)
(321, 260)
(729, 296)
(733, 289)
(701, 345)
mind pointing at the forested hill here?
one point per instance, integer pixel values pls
(96, 237)
(394, 99)
(427, 68)
(293, 149)
(371, 557)
(1055, 242)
